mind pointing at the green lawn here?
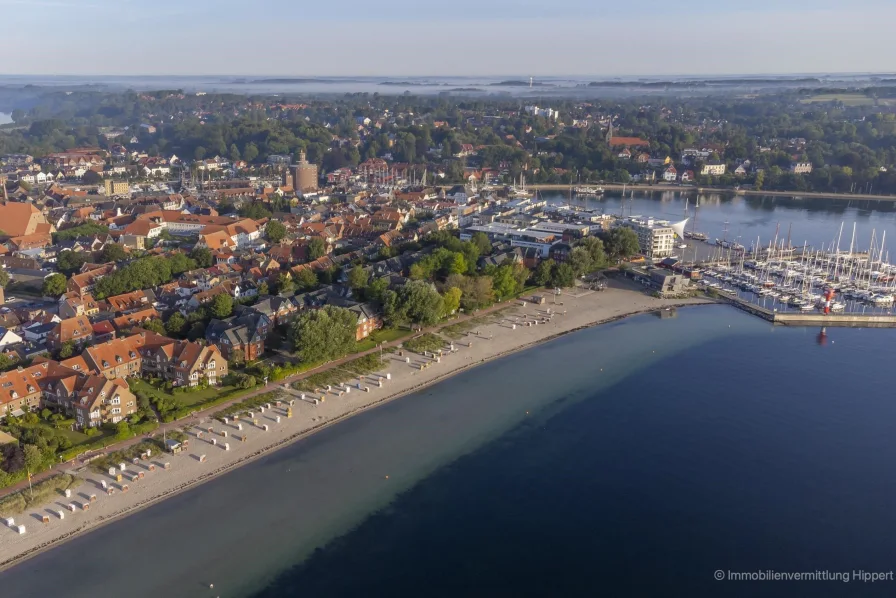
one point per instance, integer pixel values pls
(386, 335)
(74, 436)
(425, 342)
(184, 399)
(848, 99)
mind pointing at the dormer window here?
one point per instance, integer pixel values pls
(14, 395)
(105, 363)
(132, 355)
(118, 358)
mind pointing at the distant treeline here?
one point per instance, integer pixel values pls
(701, 83)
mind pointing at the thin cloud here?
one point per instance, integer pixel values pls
(48, 4)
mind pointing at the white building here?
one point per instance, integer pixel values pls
(801, 168)
(655, 237)
(670, 174)
(8, 337)
(713, 169)
(548, 113)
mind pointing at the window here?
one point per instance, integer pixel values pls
(116, 410)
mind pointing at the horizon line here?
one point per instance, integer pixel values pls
(455, 76)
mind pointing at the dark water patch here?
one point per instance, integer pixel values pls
(750, 453)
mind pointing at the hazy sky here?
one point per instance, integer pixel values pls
(458, 37)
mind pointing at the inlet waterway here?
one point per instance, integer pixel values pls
(631, 459)
(739, 218)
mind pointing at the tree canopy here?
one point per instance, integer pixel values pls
(54, 285)
(275, 231)
(323, 334)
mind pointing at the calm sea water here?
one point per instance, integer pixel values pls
(633, 459)
(743, 218)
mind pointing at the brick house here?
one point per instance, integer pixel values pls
(77, 330)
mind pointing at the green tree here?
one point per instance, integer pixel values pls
(285, 284)
(250, 152)
(543, 272)
(263, 288)
(66, 350)
(255, 211)
(113, 252)
(122, 430)
(237, 358)
(33, 457)
(176, 324)
(69, 262)
(234, 152)
(563, 275)
(451, 300)
(221, 306)
(759, 181)
(480, 240)
(376, 288)
(358, 279)
(476, 291)
(324, 334)
(155, 325)
(275, 231)
(197, 331)
(580, 260)
(621, 243)
(54, 285)
(316, 248)
(595, 248)
(202, 256)
(306, 279)
(509, 279)
(7, 362)
(420, 303)
(91, 178)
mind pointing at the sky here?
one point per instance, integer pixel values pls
(460, 37)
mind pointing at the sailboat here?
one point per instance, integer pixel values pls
(693, 234)
(521, 191)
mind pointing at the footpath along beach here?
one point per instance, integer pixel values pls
(207, 457)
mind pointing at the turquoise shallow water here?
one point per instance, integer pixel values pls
(698, 447)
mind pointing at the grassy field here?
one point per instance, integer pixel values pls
(425, 342)
(352, 369)
(386, 335)
(462, 328)
(42, 492)
(848, 99)
(184, 399)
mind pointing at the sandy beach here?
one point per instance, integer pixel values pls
(507, 335)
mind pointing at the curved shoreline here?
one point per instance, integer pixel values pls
(197, 481)
(688, 189)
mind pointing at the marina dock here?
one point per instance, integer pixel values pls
(813, 319)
